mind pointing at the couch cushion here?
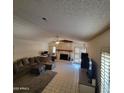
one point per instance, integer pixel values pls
(37, 60)
(31, 60)
(25, 61)
(15, 68)
(20, 68)
(19, 63)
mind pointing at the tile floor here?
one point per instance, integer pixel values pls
(66, 80)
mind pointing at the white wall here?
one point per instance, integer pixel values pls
(28, 39)
(26, 48)
(97, 44)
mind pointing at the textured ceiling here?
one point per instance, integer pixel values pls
(81, 19)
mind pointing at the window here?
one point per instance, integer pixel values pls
(54, 49)
(105, 72)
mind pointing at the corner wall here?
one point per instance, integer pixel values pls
(97, 44)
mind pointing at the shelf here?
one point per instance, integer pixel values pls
(64, 50)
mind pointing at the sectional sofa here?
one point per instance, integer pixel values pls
(27, 73)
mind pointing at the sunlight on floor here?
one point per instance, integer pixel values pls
(77, 66)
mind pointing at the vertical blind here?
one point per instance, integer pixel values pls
(105, 72)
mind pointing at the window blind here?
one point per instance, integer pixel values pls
(105, 72)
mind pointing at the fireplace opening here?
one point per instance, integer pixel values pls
(64, 57)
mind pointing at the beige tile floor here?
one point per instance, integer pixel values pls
(66, 80)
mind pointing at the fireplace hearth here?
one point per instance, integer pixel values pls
(64, 57)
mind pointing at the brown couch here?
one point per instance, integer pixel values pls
(30, 74)
(32, 64)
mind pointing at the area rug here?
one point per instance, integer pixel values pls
(31, 83)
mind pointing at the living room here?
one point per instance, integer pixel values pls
(51, 37)
(61, 46)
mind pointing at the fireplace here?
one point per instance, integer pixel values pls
(64, 57)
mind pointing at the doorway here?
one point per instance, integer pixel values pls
(77, 54)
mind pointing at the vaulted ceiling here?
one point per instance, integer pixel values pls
(81, 19)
